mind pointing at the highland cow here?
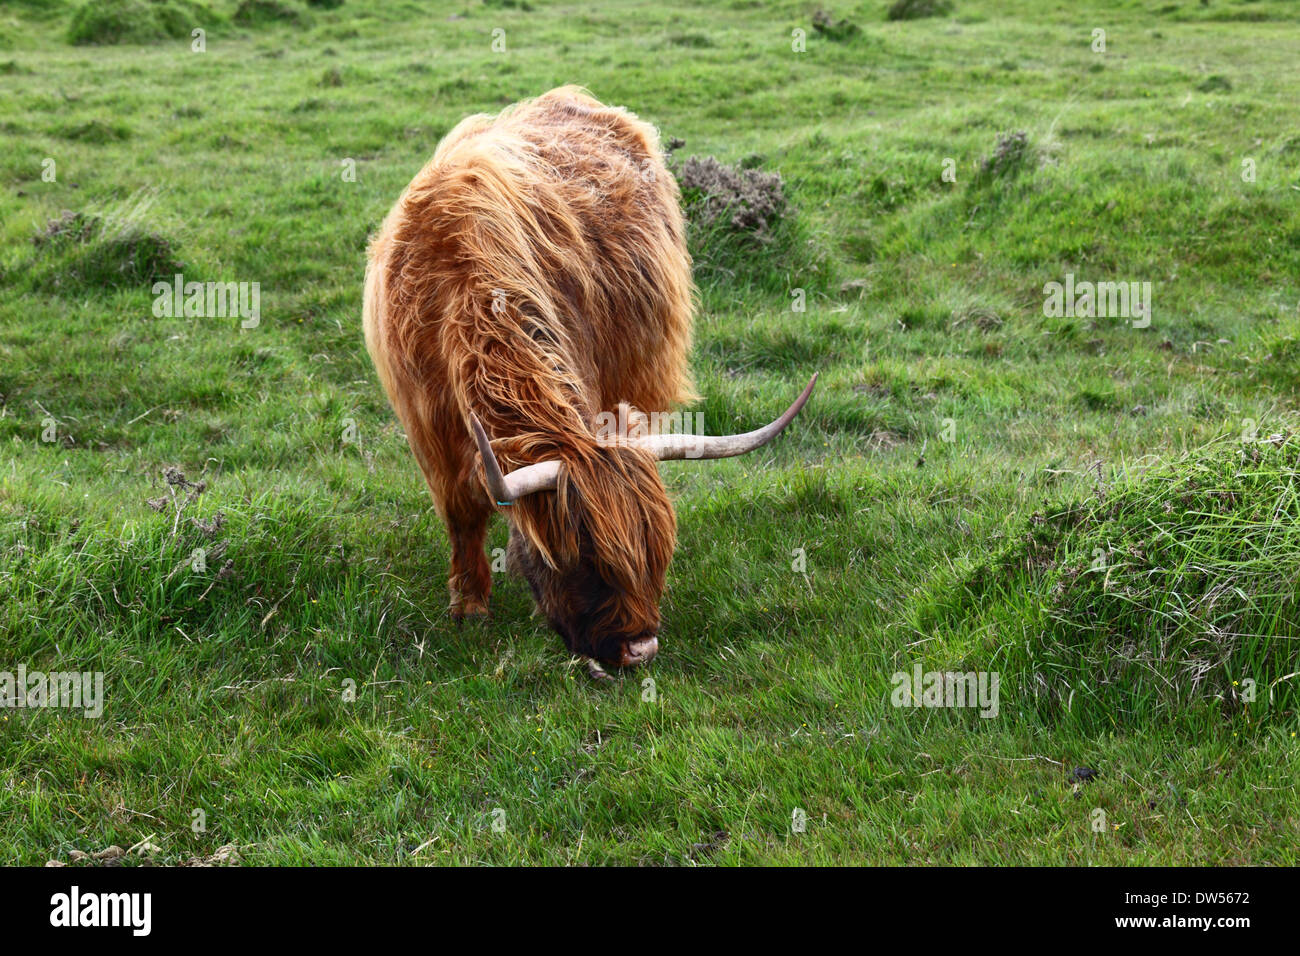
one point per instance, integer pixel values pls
(532, 276)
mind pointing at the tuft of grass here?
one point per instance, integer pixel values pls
(257, 13)
(1172, 597)
(1215, 83)
(87, 251)
(742, 199)
(741, 228)
(918, 9)
(692, 41)
(1011, 154)
(840, 30)
(96, 132)
(103, 22)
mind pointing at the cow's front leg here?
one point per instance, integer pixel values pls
(470, 580)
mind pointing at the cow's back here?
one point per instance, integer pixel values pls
(551, 235)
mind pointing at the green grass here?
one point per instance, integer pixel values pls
(944, 494)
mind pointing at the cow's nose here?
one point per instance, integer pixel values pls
(640, 651)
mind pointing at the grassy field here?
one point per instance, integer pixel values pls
(1101, 511)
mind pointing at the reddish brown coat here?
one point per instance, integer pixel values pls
(535, 273)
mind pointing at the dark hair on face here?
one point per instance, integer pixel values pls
(596, 552)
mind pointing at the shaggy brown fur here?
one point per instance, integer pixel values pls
(535, 273)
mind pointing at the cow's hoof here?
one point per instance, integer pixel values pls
(470, 611)
(596, 672)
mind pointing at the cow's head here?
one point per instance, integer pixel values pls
(596, 553)
(595, 550)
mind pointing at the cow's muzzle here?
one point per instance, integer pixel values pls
(639, 651)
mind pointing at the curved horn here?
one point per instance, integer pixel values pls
(542, 476)
(677, 447)
(545, 475)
